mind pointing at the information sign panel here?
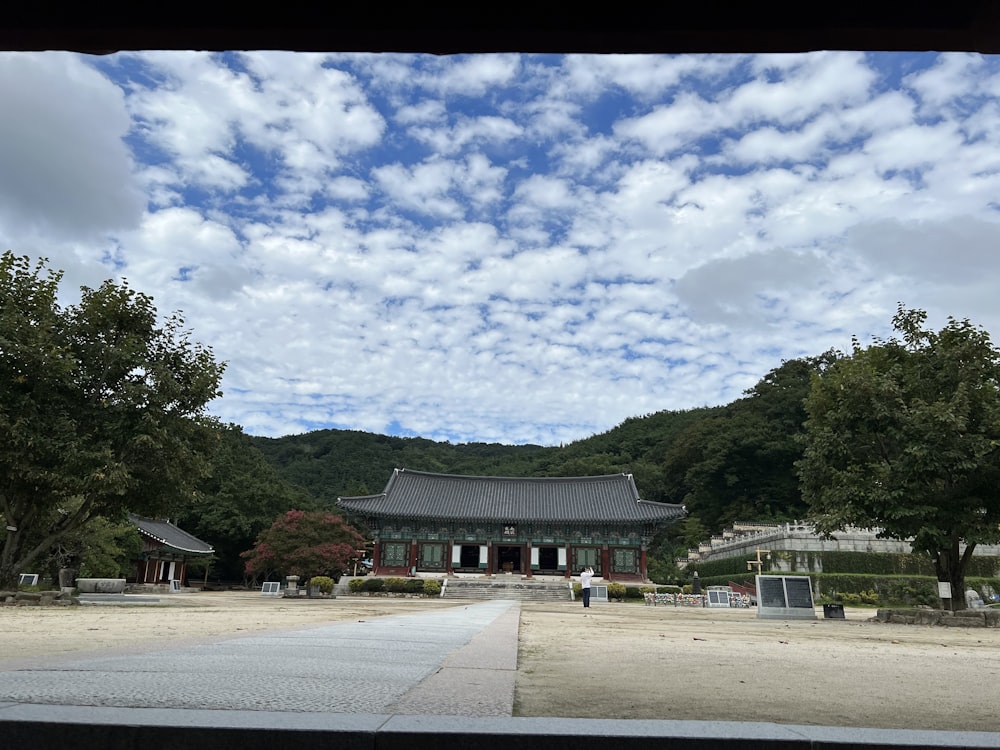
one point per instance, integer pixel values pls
(718, 597)
(785, 598)
(271, 588)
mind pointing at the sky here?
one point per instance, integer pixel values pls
(508, 248)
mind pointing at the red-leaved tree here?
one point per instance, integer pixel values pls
(306, 544)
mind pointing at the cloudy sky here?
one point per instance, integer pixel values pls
(508, 248)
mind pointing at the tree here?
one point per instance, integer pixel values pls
(102, 410)
(306, 544)
(238, 499)
(738, 464)
(904, 436)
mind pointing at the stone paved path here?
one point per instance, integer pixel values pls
(460, 661)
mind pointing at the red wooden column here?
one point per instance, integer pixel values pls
(605, 563)
(642, 563)
(376, 556)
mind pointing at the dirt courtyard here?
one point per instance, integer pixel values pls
(622, 661)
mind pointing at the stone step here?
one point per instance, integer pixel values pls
(521, 590)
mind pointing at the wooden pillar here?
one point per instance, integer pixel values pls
(642, 563)
(527, 562)
(414, 550)
(376, 556)
(605, 563)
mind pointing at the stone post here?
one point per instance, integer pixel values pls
(67, 580)
(292, 592)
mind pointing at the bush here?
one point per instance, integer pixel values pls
(395, 585)
(414, 586)
(616, 591)
(357, 585)
(432, 587)
(636, 592)
(373, 585)
(869, 598)
(323, 583)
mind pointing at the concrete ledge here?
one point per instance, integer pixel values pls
(41, 727)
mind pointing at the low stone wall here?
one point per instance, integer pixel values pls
(101, 585)
(37, 599)
(964, 618)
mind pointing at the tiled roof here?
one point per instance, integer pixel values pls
(171, 536)
(422, 495)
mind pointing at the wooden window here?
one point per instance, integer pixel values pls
(623, 560)
(431, 557)
(395, 554)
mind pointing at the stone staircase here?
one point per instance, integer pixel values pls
(523, 590)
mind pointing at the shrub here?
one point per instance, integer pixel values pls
(869, 597)
(432, 587)
(616, 591)
(414, 586)
(323, 583)
(373, 584)
(357, 585)
(395, 585)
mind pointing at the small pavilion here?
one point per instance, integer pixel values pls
(454, 525)
(166, 550)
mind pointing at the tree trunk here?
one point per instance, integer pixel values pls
(9, 564)
(950, 565)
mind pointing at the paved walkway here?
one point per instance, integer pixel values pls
(460, 661)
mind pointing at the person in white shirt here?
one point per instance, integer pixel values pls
(585, 575)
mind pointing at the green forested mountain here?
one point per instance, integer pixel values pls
(332, 463)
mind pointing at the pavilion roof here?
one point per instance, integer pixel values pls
(429, 496)
(170, 535)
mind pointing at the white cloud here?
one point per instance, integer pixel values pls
(506, 247)
(64, 170)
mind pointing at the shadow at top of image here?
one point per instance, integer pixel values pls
(720, 26)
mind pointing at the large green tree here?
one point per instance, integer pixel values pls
(738, 464)
(241, 496)
(102, 410)
(904, 436)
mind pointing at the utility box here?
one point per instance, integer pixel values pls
(833, 612)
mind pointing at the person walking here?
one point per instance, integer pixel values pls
(585, 577)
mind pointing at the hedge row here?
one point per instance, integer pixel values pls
(869, 563)
(424, 586)
(861, 588)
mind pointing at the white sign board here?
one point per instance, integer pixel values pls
(944, 590)
(271, 588)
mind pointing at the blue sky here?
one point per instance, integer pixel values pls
(508, 248)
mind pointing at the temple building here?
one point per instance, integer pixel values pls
(166, 551)
(445, 524)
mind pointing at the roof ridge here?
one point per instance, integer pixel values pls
(494, 477)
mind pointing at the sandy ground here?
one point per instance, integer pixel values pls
(623, 661)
